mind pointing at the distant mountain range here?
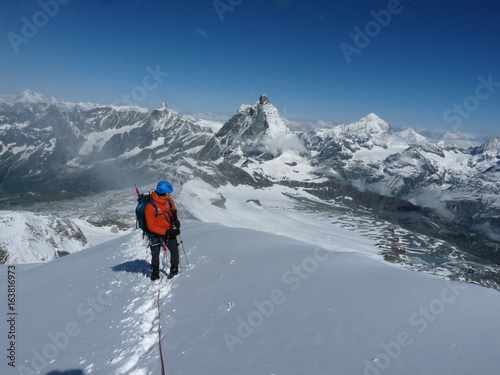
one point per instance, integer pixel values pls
(50, 149)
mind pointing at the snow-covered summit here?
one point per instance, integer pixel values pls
(412, 136)
(492, 147)
(264, 99)
(26, 97)
(276, 125)
(368, 126)
(163, 107)
(254, 128)
(366, 133)
(29, 96)
(257, 141)
(487, 155)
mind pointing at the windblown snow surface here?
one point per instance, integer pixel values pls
(250, 303)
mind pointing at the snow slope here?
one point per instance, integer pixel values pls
(251, 303)
(29, 238)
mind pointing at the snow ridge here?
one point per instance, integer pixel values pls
(99, 307)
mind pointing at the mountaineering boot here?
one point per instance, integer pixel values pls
(155, 273)
(173, 271)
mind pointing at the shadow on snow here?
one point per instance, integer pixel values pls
(134, 266)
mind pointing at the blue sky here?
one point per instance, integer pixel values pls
(430, 64)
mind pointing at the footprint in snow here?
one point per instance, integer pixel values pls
(140, 328)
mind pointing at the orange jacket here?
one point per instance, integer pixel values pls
(160, 222)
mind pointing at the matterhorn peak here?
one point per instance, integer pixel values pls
(256, 128)
(163, 107)
(264, 99)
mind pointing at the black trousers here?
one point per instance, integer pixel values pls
(155, 244)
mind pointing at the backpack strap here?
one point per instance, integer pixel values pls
(157, 210)
(166, 213)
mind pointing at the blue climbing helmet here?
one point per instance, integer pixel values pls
(164, 187)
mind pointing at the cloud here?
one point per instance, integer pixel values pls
(486, 229)
(286, 141)
(202, 32)
(430, 200)
(381, 188)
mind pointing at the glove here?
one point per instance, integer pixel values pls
(172, 233)
(177, 224)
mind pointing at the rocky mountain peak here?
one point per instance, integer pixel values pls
(163, 106)
(246, 132)
(493, 144)
(264, 99)
(490, 148)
